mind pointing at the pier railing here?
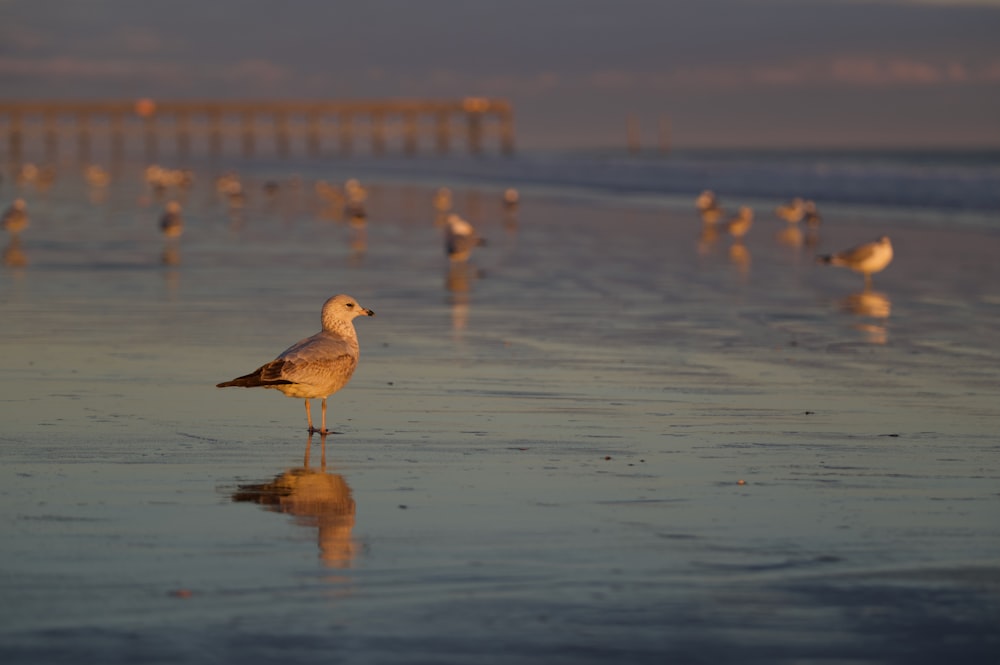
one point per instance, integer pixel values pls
(314, 127)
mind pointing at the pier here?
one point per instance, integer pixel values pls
(281, 128)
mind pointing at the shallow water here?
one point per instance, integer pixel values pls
(538, 459)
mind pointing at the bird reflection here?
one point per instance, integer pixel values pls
(13, 254)
(791, 236)
(171, 254)
(872, 305)
(739, 256)
(458, 283)
(316, 499)
(359, 239)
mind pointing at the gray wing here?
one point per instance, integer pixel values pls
(322, 359)
(859, 253)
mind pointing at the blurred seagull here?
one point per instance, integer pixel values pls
(706, 200)
(15, 219)
(708, 207)
(792, 212)
(171, 222)
(740, 225)
(510, 199)
(812, 215)
(460, 238)
(442, 200)
(867, 258)
(315, 367)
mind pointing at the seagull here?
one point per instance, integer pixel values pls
(708, 207)
(317, 366)
(706, 200)
(813, 218)
(511, 198)
(171, 223)
(740, 225)
(792, 212)
(460, 238)
(442, 199)
(15, 219)
(867, 258)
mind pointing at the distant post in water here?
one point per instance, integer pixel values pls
(312, 134)
(507, 133)
(83, 136)
(632, 130)
(664, 134)
(378, 132)
(410, 133)
(214, 133)
(442, 132)
(117, 137)
(51, 137)
(248, 136)
(146, 109)
(183, 128)
(281, 133)
(15, 136)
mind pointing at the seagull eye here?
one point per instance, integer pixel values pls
(350, 304)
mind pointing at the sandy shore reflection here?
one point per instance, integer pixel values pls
(316, 499)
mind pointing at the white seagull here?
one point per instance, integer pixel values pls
(867, 258)
(15, 219)
(460, 238)
(317, 366)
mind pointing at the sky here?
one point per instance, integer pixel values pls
(727, 73)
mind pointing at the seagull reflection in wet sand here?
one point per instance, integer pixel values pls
(315, 498)
(871, 305)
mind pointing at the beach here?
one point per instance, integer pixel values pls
(614, 434)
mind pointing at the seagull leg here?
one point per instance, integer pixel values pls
(323, 425)
(309, 418)
(868, 281)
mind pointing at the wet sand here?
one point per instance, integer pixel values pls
(539, 457)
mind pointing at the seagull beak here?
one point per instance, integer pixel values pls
(369, 312)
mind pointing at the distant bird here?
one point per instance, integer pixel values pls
(356, 195)
(15, 219)
(460, 238)
(867, 259)
(171, 223)
(740, 225)
(812, 215)
(315, 367)
(96, 176)
(791, 212)
(706, 201)
(708, 207)
(511, 199)
(442, 200)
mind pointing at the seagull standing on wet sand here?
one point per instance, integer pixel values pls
(792, 212)
(317, 366)
(867, 258)
(460, 238)
(171, 223)
(740, 225)
(15, 219)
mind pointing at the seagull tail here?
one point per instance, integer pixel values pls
(253, 380)
(248, 381)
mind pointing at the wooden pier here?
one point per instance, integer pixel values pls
(281, 128)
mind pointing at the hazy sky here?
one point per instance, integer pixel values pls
(727, 72)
